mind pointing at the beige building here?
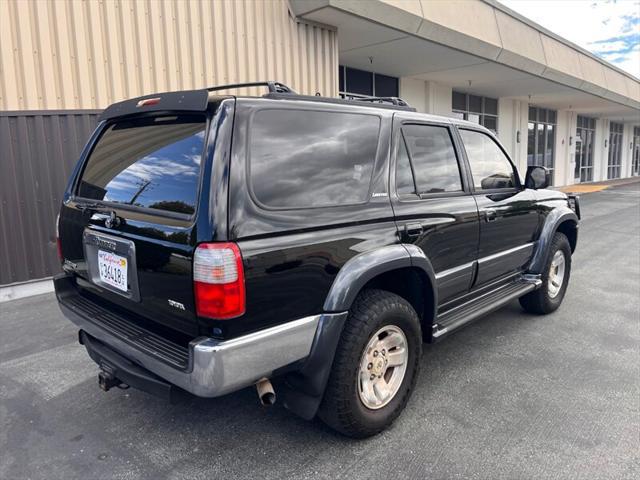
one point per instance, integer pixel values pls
(61, 61)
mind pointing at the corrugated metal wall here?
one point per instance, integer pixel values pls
(37, 153)
(70, 55)
(78, 54)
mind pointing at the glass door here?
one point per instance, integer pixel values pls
(615, 150)
(585, 135)
(635, 162)
(541, 140)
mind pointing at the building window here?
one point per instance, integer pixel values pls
(615, 150)
(356, 83)
(585, 136)
(635, 164)
(541, 143)
(482, 110)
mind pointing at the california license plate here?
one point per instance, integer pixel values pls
(113, 269)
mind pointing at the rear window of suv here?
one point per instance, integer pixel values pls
(151, 162)
(308, 159)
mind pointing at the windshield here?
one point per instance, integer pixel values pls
(151, 162)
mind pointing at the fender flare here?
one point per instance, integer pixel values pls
(362, 268)
(549, 229)
(305, 387)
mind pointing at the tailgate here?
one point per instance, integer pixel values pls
(128, 231)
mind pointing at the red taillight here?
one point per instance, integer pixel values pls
(218, 280)
(58, 244)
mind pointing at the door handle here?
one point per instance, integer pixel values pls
(490, 215)
(413, 229)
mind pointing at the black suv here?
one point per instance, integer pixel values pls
(211, 242)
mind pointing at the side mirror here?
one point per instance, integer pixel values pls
(537, 177)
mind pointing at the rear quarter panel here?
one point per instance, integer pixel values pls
(292, 257)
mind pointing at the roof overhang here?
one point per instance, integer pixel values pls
(479, 46)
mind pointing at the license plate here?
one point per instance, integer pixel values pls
(113, 269)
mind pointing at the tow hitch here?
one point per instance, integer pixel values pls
(120, 372)
(107, 380)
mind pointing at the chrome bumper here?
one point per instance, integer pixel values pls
(220, 367)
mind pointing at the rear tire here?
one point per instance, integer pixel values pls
(555, 279)
(366, 393)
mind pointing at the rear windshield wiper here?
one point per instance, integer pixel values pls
(92, 206)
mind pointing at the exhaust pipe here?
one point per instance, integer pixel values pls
(266, 394)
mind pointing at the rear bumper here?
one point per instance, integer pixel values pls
(215, 367)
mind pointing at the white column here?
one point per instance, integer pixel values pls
(601, 153)
(438, 98)
(512, 130)
(563, 168)
(508, 127)
(414, 92)
(426, 97)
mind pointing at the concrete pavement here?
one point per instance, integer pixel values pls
(512, 396)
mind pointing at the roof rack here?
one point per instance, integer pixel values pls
(281, 91)
(274, 87)
(397, 101)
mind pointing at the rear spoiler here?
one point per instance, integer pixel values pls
(186, 101)
(189, 101)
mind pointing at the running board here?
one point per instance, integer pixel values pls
(478, 307)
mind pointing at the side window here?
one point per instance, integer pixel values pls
(308, 159)
(490, 167)
(433, 159)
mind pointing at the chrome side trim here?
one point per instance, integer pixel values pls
(454, 270)
(504, 253)
(220, 367)
(488, 258)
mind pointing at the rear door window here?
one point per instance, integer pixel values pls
(308, 159)
(432, 159)
(151, 162)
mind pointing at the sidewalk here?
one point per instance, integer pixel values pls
(597, 186)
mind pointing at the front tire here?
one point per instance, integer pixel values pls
(375, 366)
(555, 279)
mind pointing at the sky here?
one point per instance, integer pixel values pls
(608, 28)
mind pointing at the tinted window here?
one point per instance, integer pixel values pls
(433, 158)
(150, 162)
(359, 81)
(386, 86)
(491, 106)
(475, 104)
(459, 101)
(404, 175)
(301, 159)
(489, 165)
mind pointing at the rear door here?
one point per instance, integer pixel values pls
(433, 204)
(508, 212)
(128, 229)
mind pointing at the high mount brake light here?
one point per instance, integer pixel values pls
(148, 102)
(218, 281)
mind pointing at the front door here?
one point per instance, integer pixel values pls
(432, 202)
(635, 164)
(508, 213)
(585, 135)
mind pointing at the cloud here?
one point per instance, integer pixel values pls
(609, 29)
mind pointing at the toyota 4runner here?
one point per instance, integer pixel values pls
(212, 242)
